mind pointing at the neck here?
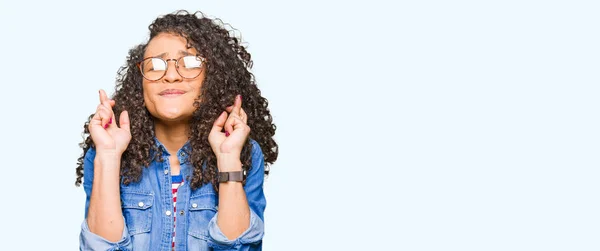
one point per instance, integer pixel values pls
(172, 135)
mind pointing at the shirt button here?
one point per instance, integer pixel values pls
(194, 205)
(141, 204)
(181, 212)
(168, 213)
(166, 171)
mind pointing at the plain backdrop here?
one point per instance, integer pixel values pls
(402, 125)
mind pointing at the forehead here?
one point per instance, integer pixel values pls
(169, 45)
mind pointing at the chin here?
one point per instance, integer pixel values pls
(173, 116)
(170, 117)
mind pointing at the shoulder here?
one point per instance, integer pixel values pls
(88, 169)
(90, 154)
(256, 152)
(257, 157)
(255, 147)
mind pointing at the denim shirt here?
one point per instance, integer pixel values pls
(148, 204)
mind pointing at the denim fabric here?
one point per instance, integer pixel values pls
(147, 203)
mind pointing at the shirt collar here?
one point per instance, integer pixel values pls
(187, 148)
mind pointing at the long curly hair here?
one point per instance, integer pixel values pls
(227, 74)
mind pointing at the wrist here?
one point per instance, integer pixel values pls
(108, 154)
(107, 161)
(229, 163)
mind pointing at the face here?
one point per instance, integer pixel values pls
(171, 98)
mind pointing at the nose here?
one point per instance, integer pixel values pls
(172, 76)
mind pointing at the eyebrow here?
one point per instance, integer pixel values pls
(183, 53)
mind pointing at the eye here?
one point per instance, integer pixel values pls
(153, 64)
(157, 64)
(191, 62)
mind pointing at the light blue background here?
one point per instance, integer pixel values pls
(413, 125)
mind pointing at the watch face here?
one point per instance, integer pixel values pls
(223, 177)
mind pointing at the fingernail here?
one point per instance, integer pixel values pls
(105, 126)
(110, 121)
(240, 97)
(226, 134)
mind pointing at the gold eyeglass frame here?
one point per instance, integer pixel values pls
(139, 65)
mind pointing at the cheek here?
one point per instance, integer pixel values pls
(145, 94)
(150, 101)
(195, 89)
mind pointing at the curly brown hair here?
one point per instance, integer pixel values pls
(227, 74)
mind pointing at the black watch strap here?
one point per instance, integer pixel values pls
(231, 176)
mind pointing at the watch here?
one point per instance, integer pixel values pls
(232, 176)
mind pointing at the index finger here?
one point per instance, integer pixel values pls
(103, 96)
(237, 105)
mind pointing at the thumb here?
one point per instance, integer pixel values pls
(124, 121)
(219, 122)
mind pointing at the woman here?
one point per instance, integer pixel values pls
(176, 159)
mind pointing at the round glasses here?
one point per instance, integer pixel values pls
(187, 67)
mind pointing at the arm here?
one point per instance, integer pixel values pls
(238, 225)
(104, 227)
(234, 214)
(91, 239)
(249, 228)
(105, 217)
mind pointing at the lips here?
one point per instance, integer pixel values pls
(171, 92)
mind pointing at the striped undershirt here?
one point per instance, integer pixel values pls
(176, 180)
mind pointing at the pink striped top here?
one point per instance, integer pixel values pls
(176, 180)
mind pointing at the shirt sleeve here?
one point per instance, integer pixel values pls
(251, 239)
(91, 241)
(87, 239)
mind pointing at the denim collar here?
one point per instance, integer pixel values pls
(186, 149)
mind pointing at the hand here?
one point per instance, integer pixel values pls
(229, 144)
(104, 130)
